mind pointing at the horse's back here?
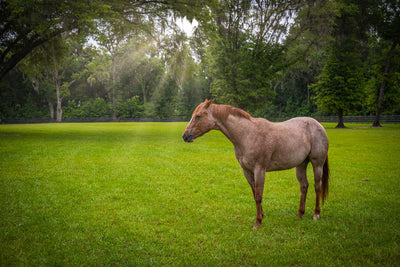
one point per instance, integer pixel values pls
(308, 124)
(307, 133)
(315, 132)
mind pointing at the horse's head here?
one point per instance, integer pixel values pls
(201, 122)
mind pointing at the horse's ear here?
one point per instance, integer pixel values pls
(208, 102)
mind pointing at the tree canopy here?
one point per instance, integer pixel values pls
(124, 59)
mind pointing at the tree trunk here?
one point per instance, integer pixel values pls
(51, 107)
(144, 91)
(340, 119)
(59, 109)
(114, 75)
(56, 80)
(377, 121)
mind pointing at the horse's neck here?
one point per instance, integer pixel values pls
(234, 128)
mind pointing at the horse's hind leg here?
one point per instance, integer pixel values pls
(301, 174)
(318, 171)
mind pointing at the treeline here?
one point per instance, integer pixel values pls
(135, 83)
(131, 59)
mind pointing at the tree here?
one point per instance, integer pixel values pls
(54, 68)
(96, 74)
(48, 64)
(385, 18)
(377, 59)
(57, 69)
(148, 74)
(247, 52)
(178, 57)
(25, 25)
(98, 69)
(36, 68)
(18, 98)
(142, 72)
(308, 40)
(340, 85)
(112, 35)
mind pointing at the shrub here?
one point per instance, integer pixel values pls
(72, 110)
(96, 108)
(130, 108)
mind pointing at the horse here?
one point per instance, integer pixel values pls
(261, 146)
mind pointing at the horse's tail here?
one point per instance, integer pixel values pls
(325, 180)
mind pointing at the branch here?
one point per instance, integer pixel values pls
(10, 63)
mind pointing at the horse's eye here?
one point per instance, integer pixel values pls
(198, 117)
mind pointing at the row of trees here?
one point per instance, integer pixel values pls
(130, 59)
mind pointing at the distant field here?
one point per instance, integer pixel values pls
(136, 194)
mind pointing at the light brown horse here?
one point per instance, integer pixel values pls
(262, 146)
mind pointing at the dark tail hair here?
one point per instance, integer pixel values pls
(325, 180)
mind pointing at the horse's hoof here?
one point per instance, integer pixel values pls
(316, 217)
(299, 216)
(256, 225)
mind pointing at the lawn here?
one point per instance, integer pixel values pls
(136, 194)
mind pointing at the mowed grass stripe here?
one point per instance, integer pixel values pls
(136, 194)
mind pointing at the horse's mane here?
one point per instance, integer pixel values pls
(223, 111)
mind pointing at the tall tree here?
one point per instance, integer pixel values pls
(112, 35)
(340, 85)
(246, 51)
(36, 68)
(376, 62)
(59, 56)
(47, 64)
(385, 18)
(53, 68)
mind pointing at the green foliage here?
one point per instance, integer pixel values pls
(29, 24)
(96, 108)
(72, 110)
(93, 108)
(273, 58)
(241, 77)
(135, 194)
(340, 85)
(376, 62)
(131, 108)
(98, 69)
(150, 110)
(28, 110)
(245, 55)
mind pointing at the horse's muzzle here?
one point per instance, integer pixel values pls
(187, 137)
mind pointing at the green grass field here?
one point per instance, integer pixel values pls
(135, 194)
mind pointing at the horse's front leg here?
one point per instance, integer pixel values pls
(250, 179)
(259, 179)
